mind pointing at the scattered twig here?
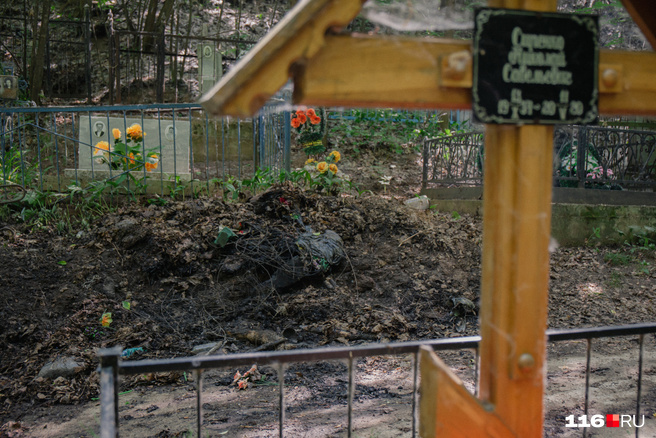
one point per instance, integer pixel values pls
(405, 240)
(270, 345)
(216, 347)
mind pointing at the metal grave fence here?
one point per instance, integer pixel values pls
(177, 68)
(584, 156)
(111, 366)
(51, 149)
(67, 64)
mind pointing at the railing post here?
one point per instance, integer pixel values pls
(261, 158)
(109, 363)
(287, 119)
(87, 51)
(110, 32)
(161, 71)
(117, 65)
(424, 172)
(581, 159)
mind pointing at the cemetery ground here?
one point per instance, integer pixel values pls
(170, 286)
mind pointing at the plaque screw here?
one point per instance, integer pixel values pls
(526, 362)
(457, 65)
(609, 77)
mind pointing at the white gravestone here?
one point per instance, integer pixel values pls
(168, 138)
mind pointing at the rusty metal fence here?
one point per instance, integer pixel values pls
(160, 66)
(67, 66)
(111, 367)
(584, 157)
(167, 63)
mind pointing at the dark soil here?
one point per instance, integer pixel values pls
(403, 274)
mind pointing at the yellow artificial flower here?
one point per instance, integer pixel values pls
(134, 132)
(101, 148)
(310, 161)
(322, 167)
(117, 133)
(336, 156)
(101, 151)
(333, 168)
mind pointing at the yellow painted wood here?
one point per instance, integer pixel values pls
(532, 5)
(392, 72)
(638, 82)
(514, 285)
(465, 415)
(266, 68)
(515, 271)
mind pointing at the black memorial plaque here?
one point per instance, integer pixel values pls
(537, 68)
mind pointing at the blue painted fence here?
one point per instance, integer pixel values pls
(51, 149)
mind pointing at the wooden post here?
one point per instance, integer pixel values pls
(515, 273)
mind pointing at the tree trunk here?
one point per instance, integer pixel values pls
(155, 21)
(151, 16)
(40, 32)
(164, 13)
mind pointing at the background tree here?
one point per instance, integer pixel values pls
(155, 20)
(41, 17)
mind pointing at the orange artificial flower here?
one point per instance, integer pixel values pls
(296, 122)
(322, 167)
(300, 113)
(315, 120)
(134, 132)
(310, 112)
(117, 133)
(303, 118)
(151, 163)
(333, 168)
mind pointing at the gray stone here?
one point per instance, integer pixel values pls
(60, 367)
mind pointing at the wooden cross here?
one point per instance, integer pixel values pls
(394, 72)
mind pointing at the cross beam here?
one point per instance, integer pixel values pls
(394, 72)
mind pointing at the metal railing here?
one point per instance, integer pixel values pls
(162, 61)
(167, 63)
(52, 148)
(584, 156)
(111, 366)
(455, 159)
(589, 156)
(67, 65)
(67, 74)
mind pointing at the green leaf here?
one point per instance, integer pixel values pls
(224, 235)
(62, 262)
(126, 305)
